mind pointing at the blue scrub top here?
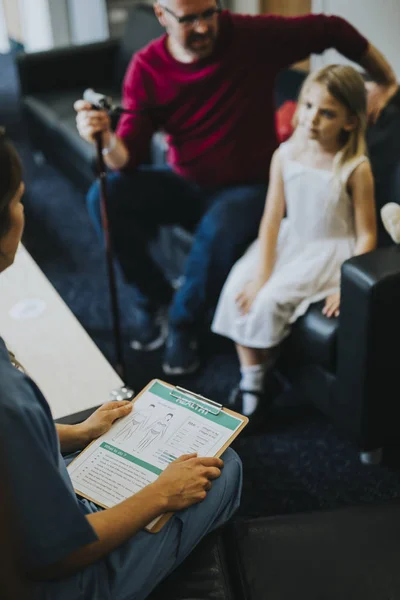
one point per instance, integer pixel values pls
(50, 519)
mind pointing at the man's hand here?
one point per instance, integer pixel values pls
(186, 481)
(246, 297)
(90, 122)
(332, 304)
(379, 95)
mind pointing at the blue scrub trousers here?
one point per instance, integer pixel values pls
(132, 571)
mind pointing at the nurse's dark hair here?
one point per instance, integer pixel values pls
(10, 180)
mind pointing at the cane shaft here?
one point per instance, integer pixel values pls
(112, 284)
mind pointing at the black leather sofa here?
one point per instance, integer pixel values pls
(346, 554)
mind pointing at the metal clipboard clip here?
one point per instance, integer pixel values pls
(212, 407)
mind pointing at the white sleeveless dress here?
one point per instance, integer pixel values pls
(315, 238)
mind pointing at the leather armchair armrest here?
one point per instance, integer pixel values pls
(88, 65)
(368, 341)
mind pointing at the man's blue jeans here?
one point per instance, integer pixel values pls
(225, 221)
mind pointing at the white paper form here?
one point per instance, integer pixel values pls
(140, 446)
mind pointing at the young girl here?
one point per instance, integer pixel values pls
(319, 212)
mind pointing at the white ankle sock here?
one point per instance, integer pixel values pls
(253, 380)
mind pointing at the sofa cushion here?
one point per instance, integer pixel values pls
(346, 554)
(203, 575)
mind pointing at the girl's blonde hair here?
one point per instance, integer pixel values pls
(347, 86)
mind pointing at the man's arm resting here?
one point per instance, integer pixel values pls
(384, 85)
(378, 67)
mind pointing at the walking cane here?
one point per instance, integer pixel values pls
(112, 284)
(101, 102)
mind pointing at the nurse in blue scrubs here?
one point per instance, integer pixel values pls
(70, 548)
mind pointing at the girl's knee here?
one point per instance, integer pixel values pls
(269, 301)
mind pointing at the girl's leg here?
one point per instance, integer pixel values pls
(249, 357)
(254, 363)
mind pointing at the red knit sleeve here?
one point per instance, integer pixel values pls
(287, 40)
(136, 129)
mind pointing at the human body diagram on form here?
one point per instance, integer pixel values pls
(137, 421)
(155, 431)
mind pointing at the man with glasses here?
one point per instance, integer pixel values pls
(209, 85)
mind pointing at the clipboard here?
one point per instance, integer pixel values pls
(215, 409)
(196, 401)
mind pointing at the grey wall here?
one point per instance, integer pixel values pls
(60, 22)
(250, 7)
(378, 20)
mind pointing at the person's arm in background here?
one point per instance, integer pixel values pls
(384, 84)
(292, 39)
(268, 235)
(129, 146)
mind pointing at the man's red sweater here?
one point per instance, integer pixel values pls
(219, 112)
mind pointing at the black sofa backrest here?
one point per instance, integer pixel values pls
(142, 27)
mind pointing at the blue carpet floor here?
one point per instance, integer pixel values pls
(300, 463)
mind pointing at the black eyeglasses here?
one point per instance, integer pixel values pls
(191, 20)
